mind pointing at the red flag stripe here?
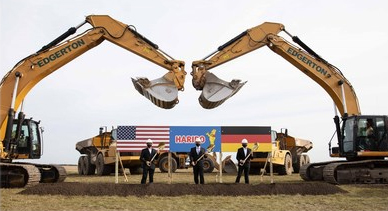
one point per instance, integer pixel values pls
(153, 127)
(236, 138)
(154, 131)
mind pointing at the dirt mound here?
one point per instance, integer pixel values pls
(216, 189)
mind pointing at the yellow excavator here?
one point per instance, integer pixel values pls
(21, 137)
(362, 139)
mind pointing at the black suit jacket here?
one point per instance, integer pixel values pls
(241, 156)
(194, 156)
(146, 156)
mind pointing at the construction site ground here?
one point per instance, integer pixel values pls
(179, 189)
(288, 193)
(181, 183)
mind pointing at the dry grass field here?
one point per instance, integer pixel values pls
(355, 197)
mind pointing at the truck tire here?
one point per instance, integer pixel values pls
(300, 161)
(101, 168)
(163, 164)
(286, 169)
(81, 163)
(89, 168)
(208, 165)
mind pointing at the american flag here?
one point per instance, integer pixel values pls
(133, 138)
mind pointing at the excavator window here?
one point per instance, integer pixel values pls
(23, 138)
(381, 134)
(22, 144)
(367, 135)
(35, 140)
(29, 139)
(348, 143)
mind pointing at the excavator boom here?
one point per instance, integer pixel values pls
(162, 92)
(266, 34)
(16, 84)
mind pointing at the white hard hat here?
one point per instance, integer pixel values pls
(198, 140)
(244, 141)
(149, 141)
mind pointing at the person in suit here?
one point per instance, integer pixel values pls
(148, 166)
(242, 154)
(197, 162)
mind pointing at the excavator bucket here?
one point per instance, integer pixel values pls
(216, 91)
(161, 91)
(228, 165)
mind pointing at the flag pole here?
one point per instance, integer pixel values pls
(271, 167)
(221, 166)
(117, 167)
(169, 168)
(122, 166)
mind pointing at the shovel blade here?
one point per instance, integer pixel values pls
(161, 92)
(216, 91)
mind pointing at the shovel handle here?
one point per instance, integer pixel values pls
(152, 159)
(246, 158)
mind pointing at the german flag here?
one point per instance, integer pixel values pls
(231, 137)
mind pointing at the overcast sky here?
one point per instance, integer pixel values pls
(96, 90)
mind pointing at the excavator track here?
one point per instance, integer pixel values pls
(51, 173)
(313, 171)
(19, 175)
(357, 172)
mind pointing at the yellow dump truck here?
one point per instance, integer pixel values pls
(287, 155)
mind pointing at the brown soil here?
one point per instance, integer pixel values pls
(215, 189)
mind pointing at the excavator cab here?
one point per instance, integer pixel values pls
(364, 136)
(27, 143)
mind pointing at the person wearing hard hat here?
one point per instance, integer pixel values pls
(197, 154)
(148, 156)
(244, 156)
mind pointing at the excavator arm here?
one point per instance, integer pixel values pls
(28, 72)
(366, 155)
(215, 91)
